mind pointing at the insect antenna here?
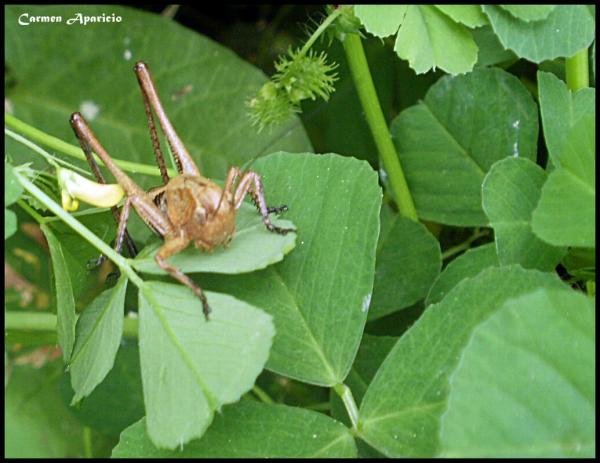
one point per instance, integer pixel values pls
(290, 126)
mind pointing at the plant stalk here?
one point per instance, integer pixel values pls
(465, 244)
(359, 68)
(315, 35)
(74, 151)
(28, 320)
(105, 249)
(40, 219)
(577, 70)
(346, 395)
(262, 395)
(46, 321)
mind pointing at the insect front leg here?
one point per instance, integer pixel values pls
(115, 210)
(173, 246)
(252, 184)
(121, 234)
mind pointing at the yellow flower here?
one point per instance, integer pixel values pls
(74, 187)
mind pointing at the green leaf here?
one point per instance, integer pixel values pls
(565, 215)
(121, 390)
(511, 191)
(448, 142)
(252, 430)
(466, 265)
(469, 15)
(253, 248)
(381, 21)
(430, 39)
(203, 86)
(529, 12)
(539, 396)
(581, 263)
(408, 261)
(319, 294)
(78, 252)
(427, 38)
(10, 223)
(98, 335)
(191, 367)
(12, 188)
(561, 109)
(491, 50)
(37, 423)
(567, 29)
(65, 303)
(400, 413)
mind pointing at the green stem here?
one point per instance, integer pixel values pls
(315, 35)
(46, 321)
(31, 211)
(319, 406)
(47, 219)
(70, 150)
(105, 249)
(464, 245)
(87, 442)
(47, 156)
(84, 212)
(130, 327)
(590, 287)
(576, 68)
(262, 395)
(346, 395)
(34, 321)
(359, 68)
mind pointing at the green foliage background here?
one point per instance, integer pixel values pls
(499, 157)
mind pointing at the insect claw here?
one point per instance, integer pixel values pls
(93, 263)
(279, 230)
(206, 309)
(277, 210)
(112, 276)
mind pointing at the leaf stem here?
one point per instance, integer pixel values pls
(346, 395)
(319, 406)
(105, 249)
(465, 244)
(87, 442)
(71, 150)
(577, 70)
(359, 68)
(46, 321)
(315, 35)
(130, 327)
(27, 320)
(262, 395)
(590, 287)
(31, 211)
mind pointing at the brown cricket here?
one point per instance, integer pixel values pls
(186, 208)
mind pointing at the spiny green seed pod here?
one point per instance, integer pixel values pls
(272, 106)
(305, 76)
